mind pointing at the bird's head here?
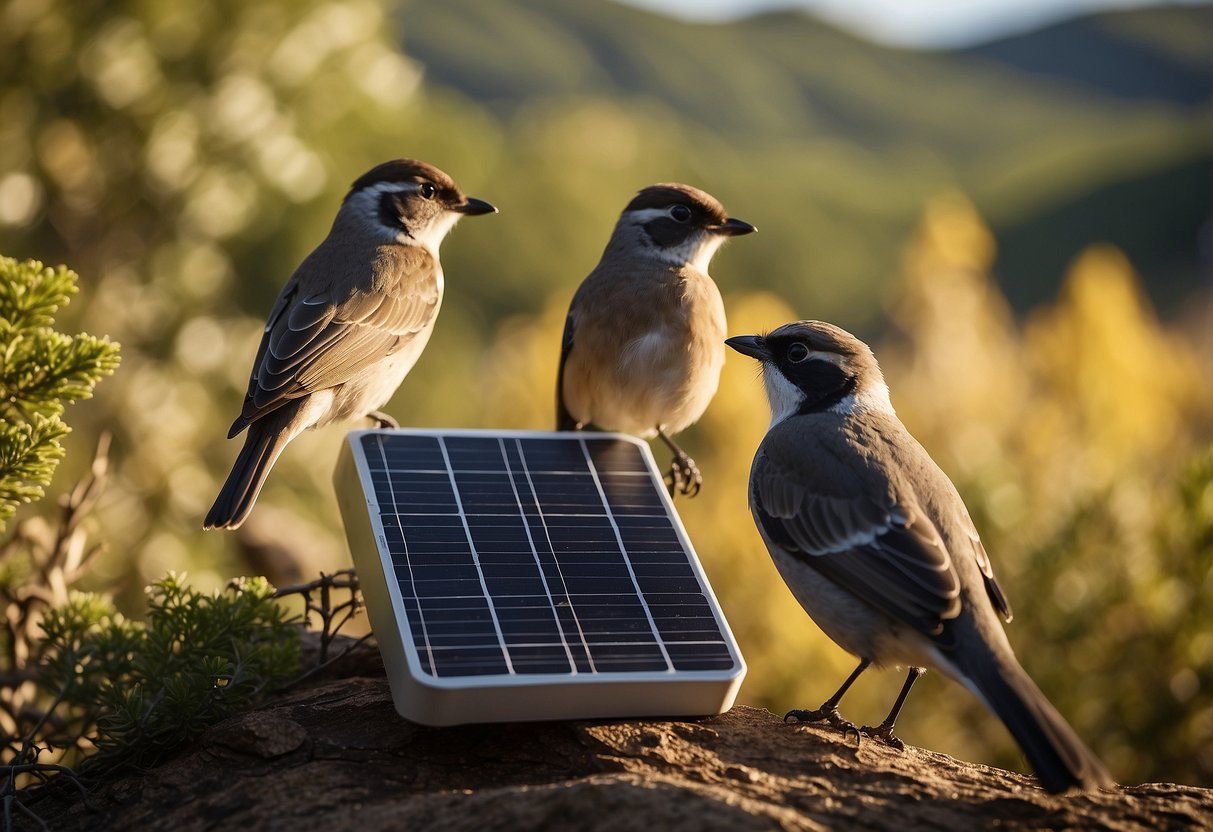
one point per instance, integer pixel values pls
(812, 366)
(675, 224)
(409, 202)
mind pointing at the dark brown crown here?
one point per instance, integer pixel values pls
(821, 336)
(705, 209)
(408, 170)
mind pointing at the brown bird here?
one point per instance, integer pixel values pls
(643, 342)
(351, 321)
(876, 544)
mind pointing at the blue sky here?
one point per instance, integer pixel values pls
(928, 23)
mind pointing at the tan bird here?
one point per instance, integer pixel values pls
(876, 544)
(644, 339)
(351, 321)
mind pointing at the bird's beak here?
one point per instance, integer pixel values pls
(755, 346)
(473, 207)
(733, 227)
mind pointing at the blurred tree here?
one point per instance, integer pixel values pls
(159, 146)
(1080, 443)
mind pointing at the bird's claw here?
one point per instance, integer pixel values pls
(382, 419)
(884, 733)
(684, 477)
(826, 714)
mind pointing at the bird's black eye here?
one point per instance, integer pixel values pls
(427, 190)
(680, 213)
(797, 353)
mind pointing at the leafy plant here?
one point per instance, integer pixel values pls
(41, 370)
(151, 687)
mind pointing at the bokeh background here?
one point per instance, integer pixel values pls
(1020, 225)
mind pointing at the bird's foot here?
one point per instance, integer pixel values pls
(683, 477)
(884, 733)
(826, 713)
(382, 419)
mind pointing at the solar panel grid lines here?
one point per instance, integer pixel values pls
(534, 559)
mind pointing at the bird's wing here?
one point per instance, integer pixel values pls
(323, 339)
(847, 518)
(564, 419)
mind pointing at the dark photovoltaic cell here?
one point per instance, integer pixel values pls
(548, 555)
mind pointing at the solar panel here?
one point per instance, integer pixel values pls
(530, 575)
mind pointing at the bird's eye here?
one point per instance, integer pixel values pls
(797, 353)
(427, 190)
(680, 213)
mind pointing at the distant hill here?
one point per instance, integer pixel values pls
(1038, 129)
(1159, 54)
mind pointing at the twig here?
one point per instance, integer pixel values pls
(344, 579)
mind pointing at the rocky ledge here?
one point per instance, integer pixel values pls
(332, 754)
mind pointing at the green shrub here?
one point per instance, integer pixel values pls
(41, 370)
(151, 687)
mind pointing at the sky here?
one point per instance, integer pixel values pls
(921, 23)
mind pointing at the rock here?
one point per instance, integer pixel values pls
(332, 754)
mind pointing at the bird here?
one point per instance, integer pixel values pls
(643, 342)
(350, 322)
(876, 544)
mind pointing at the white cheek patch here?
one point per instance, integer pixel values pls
(364, 206)
(784, 396)
(642, 215)
(696, 251)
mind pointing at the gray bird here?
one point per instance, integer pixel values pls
(877, 546)
(351, 321)
(643, 342)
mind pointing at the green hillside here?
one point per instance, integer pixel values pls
(1161, 54)
(809, 116)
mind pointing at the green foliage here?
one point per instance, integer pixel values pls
(41, 370)
(1128, 576)
(29, 454)
(150, 687)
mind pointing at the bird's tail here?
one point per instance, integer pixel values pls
(262, 446)
(1061, 760)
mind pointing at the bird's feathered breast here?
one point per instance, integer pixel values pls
(628, 299)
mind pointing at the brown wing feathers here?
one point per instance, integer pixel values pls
(315, 343)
